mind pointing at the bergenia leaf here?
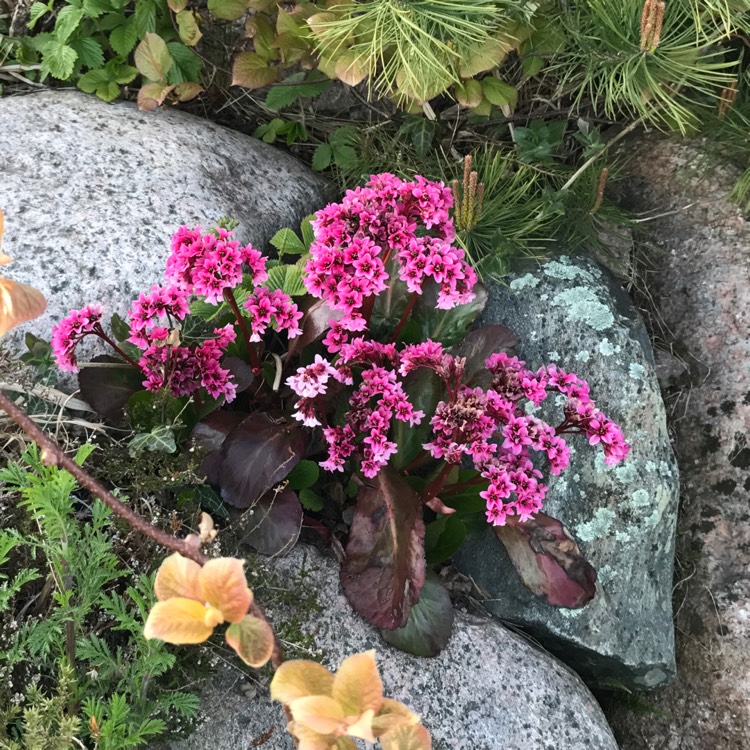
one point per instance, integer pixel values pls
(257, 455)
(275, 523)
(428, 629)
(384, 568)
(314, 325)
(477, 346)
(108, 389)
(446, 326)
(209, 435)
(252, 639)
(548, 561)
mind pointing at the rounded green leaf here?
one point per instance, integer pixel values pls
(152, 58)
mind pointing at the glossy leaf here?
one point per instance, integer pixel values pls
(477, 346)
(446, 326)
(252, 639)
(18, 304)
(177, 577)
(228, 10)
(548, 561)
(443, 538)
(159, 440)
(275, 523)
(223, 585)
(209, 435)
(303, 475)
(384, 567)
(108, 389)
(357, 686)
(314, 325)
(468, 93)
(392, 715)
(257, 455)
(428, 629)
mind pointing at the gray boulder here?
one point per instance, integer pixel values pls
(699, 251)
(93, 192)
(571, 312)
(489, 689)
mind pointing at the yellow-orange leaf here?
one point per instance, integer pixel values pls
(251, 71)
(362, 727)
(178, 576)
(252, 639)
(350, 68)
(392, 715)
(223, 585)
(299, 679)
(178, 621)
(319, 713)
(357, 686)
(309, 740)
(152, 95)
(187, 25)
(18, 303)
(344, 743)
(414, 737)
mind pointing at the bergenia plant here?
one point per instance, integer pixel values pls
(356, 359)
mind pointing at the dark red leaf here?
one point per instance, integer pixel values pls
(549, 562)
(384, 568)
(108, 389)
(242, 373)
(209, 435)
(258, 454)
(314, 325)
(275, 523)
(477, 346)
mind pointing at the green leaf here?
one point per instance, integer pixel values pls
(428, 629)
(303, 475)
(251, 71)
(311, 500)
(152, 58)
(308, 234)
(187, 65)
(95, 8)
(288, 279)
(58, 60)
(498, 92)
(36, 11)
(144, 17)
(421, 133)
(345, 157)
(322, 157)
(90, 52)
(160, 439)
(123, 38)
(98, 82)
(443, 538)
(187, 24)
(287, 243)
(67, 22)
(298, 85)
(228, 10)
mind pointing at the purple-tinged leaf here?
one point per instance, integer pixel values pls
(108, 389)
(314, 325)
(275, 523)
(209, 435)
(257, 455)
(548, 560)
(384, 568)
(477, 346)
(428, 629)
(242, 373)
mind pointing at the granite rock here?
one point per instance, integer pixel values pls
(699, 258)
(572, 312)
(92, 193)
(489, 689)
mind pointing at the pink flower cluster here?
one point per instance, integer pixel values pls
(70, 330)
(184, 370)
(264, 304)
(489, 426)
(387, 220)
(165, 304)
(207, 264)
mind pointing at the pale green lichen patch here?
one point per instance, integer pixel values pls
(563, 269)
(636, 371)
(607, 349)
(582, 305)
(553, 356)
(650, 466)
(583, 356)
(598, 527)
(640, 499)
(529, 281)
(627, 472)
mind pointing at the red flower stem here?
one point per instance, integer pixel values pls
(242, 323)
(434, 487)
(404, 317)
(52, 455)
(99, 331)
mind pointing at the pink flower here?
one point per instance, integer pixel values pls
(265, 305)
(70, 330)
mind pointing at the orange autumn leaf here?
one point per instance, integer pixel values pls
(193, 600)
(18, 302)
(327, 710)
